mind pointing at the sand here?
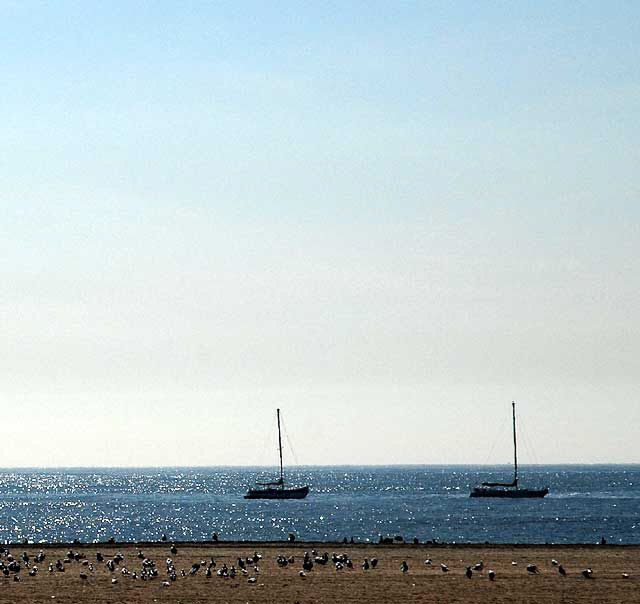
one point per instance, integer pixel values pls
(386, 583)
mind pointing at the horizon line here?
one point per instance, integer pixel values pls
(354, 465)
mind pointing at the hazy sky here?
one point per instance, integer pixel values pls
(388, 219)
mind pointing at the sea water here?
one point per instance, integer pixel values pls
(585, 504)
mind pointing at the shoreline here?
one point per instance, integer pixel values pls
(299, 542)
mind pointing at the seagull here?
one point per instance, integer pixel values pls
(445, 568)
(428, 561)
(586, 573)
(562, 571)
(532, 568)
(492, 575)
(554, 562)
(469, 572)
(83, 576)
(302, 574)
(514, 563)
(479, 566)
(625, 575)
(374, 562)
(404, 567)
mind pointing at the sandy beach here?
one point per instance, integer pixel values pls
(323, 583)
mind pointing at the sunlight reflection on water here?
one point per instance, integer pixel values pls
(428, 502)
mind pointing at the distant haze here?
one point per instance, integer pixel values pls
(388, 219)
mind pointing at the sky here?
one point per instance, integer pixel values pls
(388, 219)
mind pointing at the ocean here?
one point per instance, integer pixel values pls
(585, 504)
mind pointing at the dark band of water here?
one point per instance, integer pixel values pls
(428, 502)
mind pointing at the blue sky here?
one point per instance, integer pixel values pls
(378, 216)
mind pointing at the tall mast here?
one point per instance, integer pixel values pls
(280, 449)
(515, 446)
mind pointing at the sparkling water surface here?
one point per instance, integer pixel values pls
(428, 502)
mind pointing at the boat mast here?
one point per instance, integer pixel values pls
(515, 446)
(280, 449)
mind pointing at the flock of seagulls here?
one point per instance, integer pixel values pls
(532, 569)
(143, 568)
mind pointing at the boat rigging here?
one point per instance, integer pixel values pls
(276, 489)
(509, 490)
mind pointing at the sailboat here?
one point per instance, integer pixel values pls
(276, 489)
(510, 490)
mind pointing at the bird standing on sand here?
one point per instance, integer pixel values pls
(492, 575)
(586, 573)
(562, 571)
(554, 562)
(469, 572)
(404, 567)
(445, 568)
(532, 569)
